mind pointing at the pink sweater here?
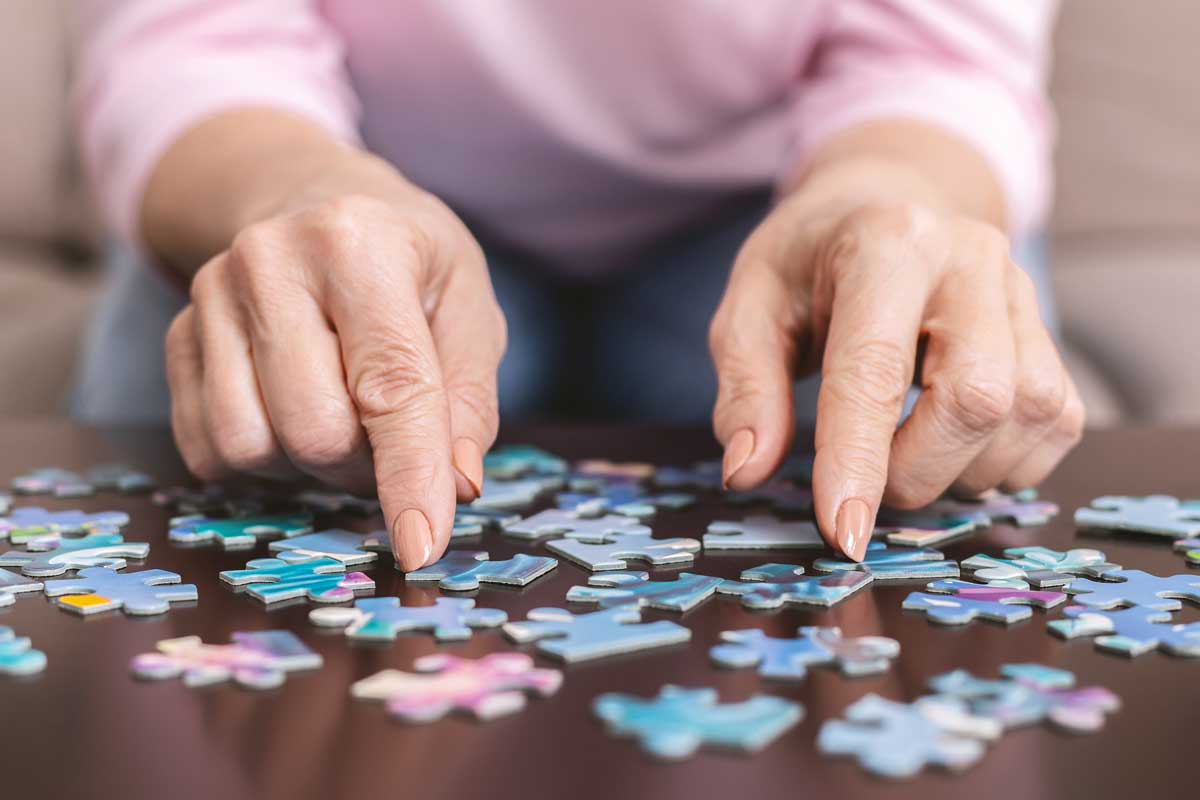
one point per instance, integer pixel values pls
(573, 128)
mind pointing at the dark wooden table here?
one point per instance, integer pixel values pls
(84, 728)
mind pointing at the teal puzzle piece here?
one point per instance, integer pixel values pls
(321, 580)
(683, 592)
(1130, 631)
(238, 533)
(464, 570)
(888, 563)
(17, 656)
(789, 659)
(771, 585)
(383, 618)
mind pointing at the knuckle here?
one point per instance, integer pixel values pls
(1040, 398)
(321, 446)
(895, 223)
(406, 382)
(976, 401)
(244, 448)
(1072, 421)
(253, 246)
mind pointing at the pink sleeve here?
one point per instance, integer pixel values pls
(974, 67)
(151, 69)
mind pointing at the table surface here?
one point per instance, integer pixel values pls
(84, 728)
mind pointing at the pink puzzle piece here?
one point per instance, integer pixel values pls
(489, 687)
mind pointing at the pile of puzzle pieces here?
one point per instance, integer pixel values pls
(600, 517)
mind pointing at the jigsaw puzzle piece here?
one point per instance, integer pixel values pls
(493, 686)
(97, 589)
(626, 499)
(615, 550)
(969, 601)
(782, 495)
(344, 546)
(470, 521)
(1133, 587)
(926, 529)
(384, 618)
(1039, 566)
(557, 522)
(50, 556)
(580, 637)
(888, 563)
(614, 471)
(789, 659)
(464, 570)
(704, 475)
(240, 532)
(771, 585)
(1029, 694)
(255, 660)
(119, 478)
(515, 495)
(31, 522)
(676, 723)
(12, 584)
(53, 480)
(1158, 514)
(683, 592)
(1190, 549)
(762, 532)
(321, 580)
(1130, 631)
(898, 740)
(5, 502)
(518, 460)
(1022, 509)
(17, 656)
(332, 502)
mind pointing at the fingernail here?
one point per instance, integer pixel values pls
(414, 539)
(854, 528)
(468, 469)
(737, 453)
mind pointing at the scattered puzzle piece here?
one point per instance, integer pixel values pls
(321, 580)
(677, 722)
(119, 478)
(789, 659)
(97, 589)
(1133, 587)
(972, 600)
(212, 500)
(515, 495)
(772, 585)
(12, 584)
(30, 522)
(610, 589)
(1031, 693)
(1022, 509)
(627, 499)
(610, 470)
(887, 563)
(335, 502)
(239, 533)
(255, 660)
(898, 740)
(557, 522)
(1039, 566)
(762, 532)
(17, 656)
(782, 495)
(1190, 549)
(485, 688)
(464, 570)
(383, 618)
(518, 460)
(55, 481)
(922, 529)
(54, 557)
(580, 637)
(344, 546)
(1157, 514)
(701, 475)
(614, 550)
(470, 521)
(5, 502)
(1130, 631)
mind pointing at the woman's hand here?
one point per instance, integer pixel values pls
(353, 338)
(875, 294)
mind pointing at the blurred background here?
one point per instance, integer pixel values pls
(1124, 238)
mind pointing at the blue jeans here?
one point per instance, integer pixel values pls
(632, 345)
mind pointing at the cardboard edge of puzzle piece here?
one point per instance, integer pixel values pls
(467, 570)
(762, 532)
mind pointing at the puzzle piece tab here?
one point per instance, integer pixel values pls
(383, 618)
(321, 580)
(49, 557)
(255, 660)
(762, 532)
(557, 522)
(237, 533)
(12, 584)
(898, 740)
(890, 563)
(17, 656)
(97, 589)
(485, 688)
(464, 570)
(772, 585)
(1130, 631)
(1039, 566)
(345, 546)
(676, 723)
(31, 522)
(969, 601)
(1133, 587)
(580, 637)
(789, 659)
(1157, 514)
(683, 592)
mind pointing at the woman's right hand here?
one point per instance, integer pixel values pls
(351, 338)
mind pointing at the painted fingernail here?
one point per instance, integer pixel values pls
(854, 528)
(737, 453)
(468, 469)
(414, 539)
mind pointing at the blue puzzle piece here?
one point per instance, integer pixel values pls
(789, 659)
(580, 637)
(677, 722)
(772, 585)
(119, 478)
(335, 502)
(383, 618)
(17, 657)
(515, 495)
(782, 495)
(1130, 631)
(1158, 514)
(762, 532)
(625, 498)
(1133, 587)
(238, 532)
(472, 521)
(53, 480)
(464, 570)
(30, 522)
(321, 580)
(97, 589)
(344, 546)
(48, 557)
(1028, 694)
(614, 550)
(518, 460)
(701, 475)
(972, 600)
(894, 563)
(683, 592)
(1039, 566)
(12, 584)
(898, 740)
(1021, 509)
